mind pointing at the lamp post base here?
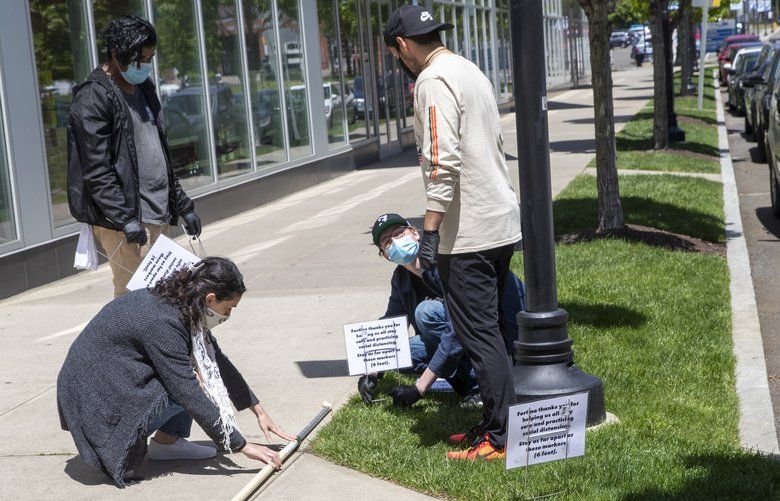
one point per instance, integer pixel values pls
(533, 382)
(544, 363)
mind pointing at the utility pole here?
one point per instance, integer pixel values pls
(544, 361)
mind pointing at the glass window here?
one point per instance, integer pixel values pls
(333, 93)
(262, 58)
(62, 58)
(293, 75)
(352, 68)
(181, 89)
(460, 43)
(227, 88)
(7, 221)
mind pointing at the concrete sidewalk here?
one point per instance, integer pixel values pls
(310, 268)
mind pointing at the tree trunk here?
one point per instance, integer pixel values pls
(609, 207)
(660, 110)
(687, 56)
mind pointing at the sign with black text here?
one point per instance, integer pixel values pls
(546, 430)
(378, 345)
(165, 257)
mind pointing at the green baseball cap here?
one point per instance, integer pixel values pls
(384, 222)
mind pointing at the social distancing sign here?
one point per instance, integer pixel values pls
(546, 430)
(377, 345)
(165, 257)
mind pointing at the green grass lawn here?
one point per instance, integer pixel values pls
(655, 326)
(699, 152)
(690, 206)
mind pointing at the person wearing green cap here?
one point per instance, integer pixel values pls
(417, 295)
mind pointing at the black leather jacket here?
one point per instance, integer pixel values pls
(102, 161)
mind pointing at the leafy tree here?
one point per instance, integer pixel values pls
(609, 207)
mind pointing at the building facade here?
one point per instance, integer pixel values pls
(260, 97)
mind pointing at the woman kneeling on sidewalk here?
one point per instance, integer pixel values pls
(148, 362)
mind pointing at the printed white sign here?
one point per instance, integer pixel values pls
(378, 345)
(546, 430)
(165, 257)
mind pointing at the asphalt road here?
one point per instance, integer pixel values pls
(762, 234)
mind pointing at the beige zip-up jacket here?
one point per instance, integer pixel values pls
(458, 134)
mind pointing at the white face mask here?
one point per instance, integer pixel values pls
(214, 318)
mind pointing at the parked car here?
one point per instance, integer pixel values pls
(744, 63)
(266, 117)
(773, 148)
(727, 52)
(183, 141)
(757, 86)
(619, 39)
(225, 115)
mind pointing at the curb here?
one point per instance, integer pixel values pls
(756, 417)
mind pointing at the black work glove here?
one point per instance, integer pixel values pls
(367, 387)
(192, 222)
(405, 396)
(429, 249)
(135, 233)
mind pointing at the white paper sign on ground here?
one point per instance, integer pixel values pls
(378, 345)
(538, 430)
(165, 257)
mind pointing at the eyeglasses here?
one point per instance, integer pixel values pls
(388, 237)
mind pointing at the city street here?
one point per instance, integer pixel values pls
(762, 233)
(310, 268)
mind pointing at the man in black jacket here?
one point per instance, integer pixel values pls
(120, 179)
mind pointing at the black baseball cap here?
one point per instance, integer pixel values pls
(411, 20)
(384, 222)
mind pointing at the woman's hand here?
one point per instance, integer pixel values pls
(261, 453)
(268, 426)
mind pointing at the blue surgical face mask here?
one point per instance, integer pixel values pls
(403, 250)
(137, 73)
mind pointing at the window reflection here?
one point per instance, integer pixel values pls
(262, 56)
(7, 223)
(226, 87)
(337, 101)
(293, 64)
(103, 11)
(62, 58)
(181, 89)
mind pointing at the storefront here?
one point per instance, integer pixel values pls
(261, 98)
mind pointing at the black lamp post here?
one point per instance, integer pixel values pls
(676, 134)
(544, 360)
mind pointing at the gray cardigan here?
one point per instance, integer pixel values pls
(121, 371)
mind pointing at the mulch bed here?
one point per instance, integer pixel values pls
(650, 236)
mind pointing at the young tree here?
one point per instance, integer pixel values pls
(610, 210)
(687, 44)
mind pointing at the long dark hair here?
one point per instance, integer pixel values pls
(187, 288)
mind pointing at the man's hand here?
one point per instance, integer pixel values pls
(429, 249)
(367, 387)
(261, 453)
(268, 426)
(192, 222)
(405, 396)
(135, 233)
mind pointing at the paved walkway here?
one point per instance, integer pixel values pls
(310, 269)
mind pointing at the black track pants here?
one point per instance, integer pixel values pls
(473, 286)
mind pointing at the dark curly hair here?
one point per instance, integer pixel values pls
(187, 288)
(124, 38)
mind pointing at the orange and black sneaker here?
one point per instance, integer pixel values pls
(469, 437)
(481, 450)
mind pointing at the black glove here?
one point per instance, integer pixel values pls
(367, 387)
(405, 396)
(135, 233)
(192, 221)
(429, 249)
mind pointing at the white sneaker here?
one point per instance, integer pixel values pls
(180, 449)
